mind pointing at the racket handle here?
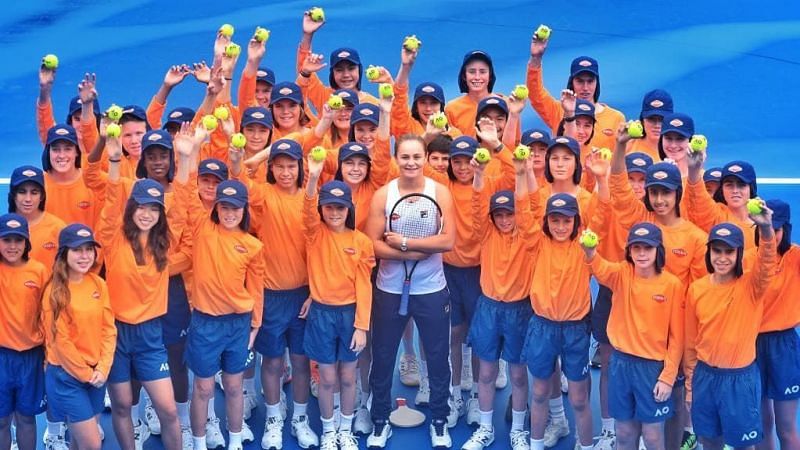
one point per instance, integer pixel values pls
(404, 298)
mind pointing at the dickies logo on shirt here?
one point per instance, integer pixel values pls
(349, 250)
(240, 248)
(31, 284)
(96, 295)
(679, 252)
(49, 246)
(84, 205)
(608, 131)
(659, 298)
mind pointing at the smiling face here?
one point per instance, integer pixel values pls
(62, 156)
(584, 85)
(81, 259)
(257, 137)
(286, 114)
(334, 216)
(583, 128)
(365, 133)
(562, 164)
(462, 169)
(662, 200)
(263, 93)
(636, 180)
(229, 216)
(157, 163)
(341, 118)
(560, 226)
(146, 216)
(426, 107)
(477, 75)
(504, 220)
(652, 126)
(354, 169)
(675, 146)
(11, 249)
(27, 198)
(439, 161)
(345, 74)
(286, 171)
(735, 192)
(643, 256)
(207, 187)
(131, 137)
(410, 158)
(723, 258)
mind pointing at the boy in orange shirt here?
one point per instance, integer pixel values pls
(476, 79)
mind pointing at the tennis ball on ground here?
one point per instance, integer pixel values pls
(411, 43)
(114, 112)
(439, 120)
(589, 239)
(113, 130)
(635, 129)
(232, 50)
(210, 122)
(754, 206)
(226, 30)
(222, 113)
(319, 153)
(520, 92)
(386, 90)
(698, 143)
(238, 140)
(522, 152)
(335, 102)
(605, 153)
(50, 62)
(261, 34)
(482, 155)
(317, 14)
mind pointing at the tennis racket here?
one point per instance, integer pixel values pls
(414, 216)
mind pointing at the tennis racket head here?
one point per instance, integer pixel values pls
(416, 216)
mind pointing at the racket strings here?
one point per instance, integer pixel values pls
(417, 218)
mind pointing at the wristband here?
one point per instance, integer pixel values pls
(569, 119)
(498, 148)
(114, 160)
(305, 74)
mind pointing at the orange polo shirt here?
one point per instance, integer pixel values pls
(402, 120)
(705, 212)
(780, 311)
(462, 113)
(20, 305)
(71, 202)
(44, 239)
(642, 145)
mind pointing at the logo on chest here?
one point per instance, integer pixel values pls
(240, 248)
(349, 250)
(679, 252)
(49, 246)
(659, 298)
(608, 131)
(84, 205)
(96, 295)
(31, 284)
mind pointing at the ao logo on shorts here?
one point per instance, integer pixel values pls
(792, 390)
(749, 436)
(662, 411)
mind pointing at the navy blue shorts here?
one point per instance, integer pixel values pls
(498, 328)
(547, 340)
(70, 400)
(282, 328)
(778, 359)
(600, 314)
(464, 284)
(727, 403)
(140, 353)
(175, 324)
(329, 332)
(22, 381)
(630, 390)
(218, 343)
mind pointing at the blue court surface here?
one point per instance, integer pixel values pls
(733, 66)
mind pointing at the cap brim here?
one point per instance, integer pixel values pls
(210, 172)
(233, 202)
(12, 232)
(282, 153)
(653, 112)
(335, 201)
(727, 241)
(468, 153)
(676, 131)
(148, 200)
(346, 156)
(738, 177)
(509, 208)
(637, 169)
(586, 70)
(562, 211)
(670, 186)
(643, 240)
(78, 243)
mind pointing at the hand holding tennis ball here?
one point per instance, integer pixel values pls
(373, 73)
(222, 113)
(605, 154)
(482, 155)
(232, 50)
(522, 152)
(698, 143)
(210, 122)
(50, 62)
(439, 120)
(113, 130)
(319, 153)
(754, 206)
(412, 43)
(226, 30)
(543, 32)
(386, 90)
(588, 239)
(114, 112)
(317, 14)
(238, 140)
(520, 92)
(261, 34)
(635, 129)
(335, 102)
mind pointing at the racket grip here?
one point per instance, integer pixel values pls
(404, 299)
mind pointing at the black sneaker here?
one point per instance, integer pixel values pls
(689, 441)
(440, 437)
(381, 432)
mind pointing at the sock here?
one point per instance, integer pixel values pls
(199, 442)
(608, 424)
(557, 409)
(56, 428)
(455, 389)
(273, 410)
(587, 447)
(537, 444)
(327, 425)
(249, 385)
(466, 355)
(518, 420)
(183, 413)
(135, 415)
(299, 410)
(235, 440)
(365, 398)
(474, 391)
(337, 400)
(486, 418)
(423, 368)
(212, 413)
(345, 423)
(690, 429)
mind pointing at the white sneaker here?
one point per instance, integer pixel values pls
(214, 437)
(250, 403)
(14, 445)
(380, 435)
(329, 441)
(456, 404)
(440, 437)
(273, 434)
(107, 401)
(247, 433)
(473, 410)
(564, 384)
(556, 429)
(480, 439)
(466, 374)
(140, 434)
(502, 375)
(424, 393)
(608, 441)
(347, 441)
(186, 439)
(151, 419)
(641, 443)
(519, 440)
(283, 405)
(55, 441)
(362, 422)
(101, 432)
(305, 435)
(409, 370)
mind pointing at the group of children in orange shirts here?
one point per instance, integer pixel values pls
(130, 259)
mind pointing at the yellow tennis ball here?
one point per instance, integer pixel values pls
(386, 90)
(412, 43)
(522, 152)
(114, 112)
(222, 113)
(606, 154)
(635, 129)
(754, 206)
(335, 102)
(261, 34)
(373, 73)
(589, 239)
(439, 120)
(520, 92)
(698, 143)
(319, 153)
(543, 32)
(482, 155)
(210, 122)
(317, 14)
(226, 30)
(50, 61)
(238, 140)
(232, 50)
(113, 130)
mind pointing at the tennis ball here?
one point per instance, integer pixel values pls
(373, 73)
(238, 140)
(317, 14)
(482, 155)
(210, 122)
(335, 102)
(113, 130)
(589, 239)
(520, 92)
(754, 206)
(226, 30)
(222, 113)
(50, 62)
(261, 34)
(114, 112)
(386, 90)
(605, 153)
(411, 43)
(319, 153)
(698, 143)
(232, 50)
(543, 32)
(439, 120)
(635, 129)
(522, 152)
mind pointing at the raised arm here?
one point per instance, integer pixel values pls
(548, 107)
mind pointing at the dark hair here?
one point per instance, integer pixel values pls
(244, 225)
(597, 88)
(661, 257)
(440, 143)
(271, 178)
(351, 134)
(661, 153)
(450, 174)
(644, 130)
(332, 80)
(786, 240)
(339, 176)
(576, 175)
(678, 197)
(738, 269)
(158, 238)
(12, 203)
(269, 139)
(719, 196)
(478, 118)
(415, 110)
(349, 222)
(131, 118)
(560, 131)
(575, 227)
(26, 254)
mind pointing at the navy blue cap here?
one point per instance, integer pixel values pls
(713, 174)
(146, 191)
(233, 192)
(727, 233)
(534, 135)
(23, 174)
(75, 105)
(348, 96)
(645, 233)
(664, 174)
(463, 145)
(638, 162)
(286, 90)
(365, 112)
(568, 142)
(781, 213)
(429, 89)
(490, 102)
(353, 149)
(584, 64)
(13, 224)
(74, 235)
(134, 111)
(266, 75)
(156, 137)
(562, 203)
(60, 132)
(657, 102)
(336, 193)
(502, 200)
(469, 57)
(179, 115)
(286, 147)
(257, 114)
(214, 167)
(679, 123)
(345, 54)
(741, 170)
(584, 108)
